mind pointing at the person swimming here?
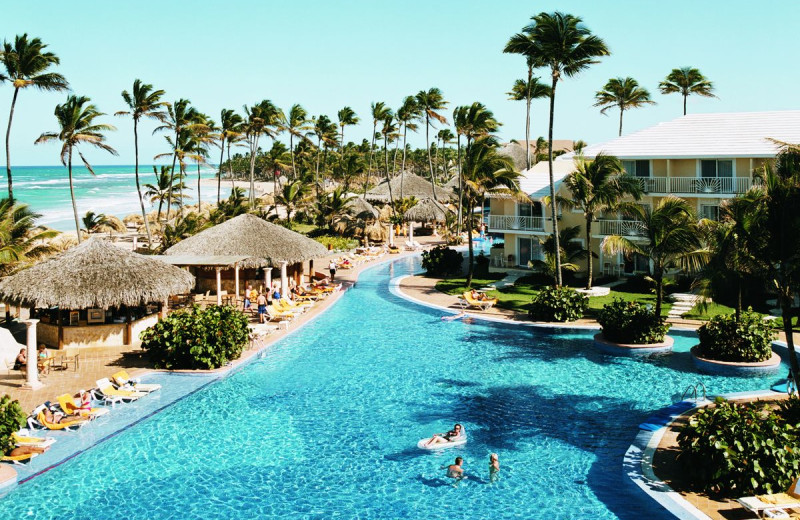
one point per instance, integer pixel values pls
(455, 471)
(444, 438)
(494, 467)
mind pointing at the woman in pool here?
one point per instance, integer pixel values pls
(494, 467)
(444, 438)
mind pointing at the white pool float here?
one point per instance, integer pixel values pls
(455, 441)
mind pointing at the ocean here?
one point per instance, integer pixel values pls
(112, 190)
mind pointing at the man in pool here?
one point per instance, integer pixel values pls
(444, 438)
(455, 471)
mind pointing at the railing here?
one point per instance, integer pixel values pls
(701, 185)
(625, 228)
(512, 222)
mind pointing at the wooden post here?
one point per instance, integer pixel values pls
(311, 270)
(128, 326)
(219, 285)
(60, 331)
(236, 277)
(164, 309)
(268, 279)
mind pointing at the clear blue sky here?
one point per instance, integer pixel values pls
(325, 55)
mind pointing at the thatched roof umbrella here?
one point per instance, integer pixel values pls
(95, 274)
(428, 211)
(263, 243)
(413, 186)
(362, 209)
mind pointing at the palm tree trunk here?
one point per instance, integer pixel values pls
(253, 149)
(230, 167)
(182, 169)
(553, 201)
(528, 118)
(386, 169)
(394, 157)
(589, 218)
(219, 175)
(316, 170)
(72, 195)
(621, 110)
(659, 278)
(199, 198)
(460, 190)
(371, 152)
(8, 152)
(291, 152)
(403, 166)
(138, 186)
(470, 267)
(428, 146)
(171, 177)
(684, 104)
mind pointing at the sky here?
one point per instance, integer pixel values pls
(326, 55)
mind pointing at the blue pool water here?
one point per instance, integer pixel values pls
(325, 426)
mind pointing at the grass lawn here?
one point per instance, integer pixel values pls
(712, 309)
(303, 228)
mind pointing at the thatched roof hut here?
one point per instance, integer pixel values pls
(95, 274)
(362, 209)
(413, 186)
(428, 211)
(452, 184)
(262, 243)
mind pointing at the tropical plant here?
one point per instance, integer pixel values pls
(180, 228)
(233, 206)
(200, 139)
(296, 125)
(181, 119)
(143, 102)
(21, 240)
(347, 117)
(387, 129)
(442, 261)
(291, 196)
(686, 81)
(430, 102)
(571, 252)
(77, 126)
(528, 90)
(230, 128)
(624, 93)
(26, 63)
(12, 418)
(325, 131)
(379, 113)
(159, 191)
(670, 238)
(747, 338)
(563, 44)
(407, 115)
(558, 304)
(261, 119)
(631, 323)
(734, 449)
(202, 339)
(599, 185)
(332, 207)
(100, 222)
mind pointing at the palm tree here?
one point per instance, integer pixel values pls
(200, 140)
(379, 112)
(296, 124)
(429, 102)
(160, 190)
(563, 44)
(332, 207)
(446, 136)
(184, 149)
(144, 102)
(263, 118)
(100, 222)
(484, 170)
(76, 118)
(291, 195)
(596, 186)
(670, 238)
(571, 251)
(528, 91)
(325, 131)
(407, 115)
(387, 129)
(624, 93)
(26, 65)
(347, 117)
(229, 128)
(686, 81)
(21, 240)
(180, 117)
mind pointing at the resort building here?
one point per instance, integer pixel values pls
(704, 158)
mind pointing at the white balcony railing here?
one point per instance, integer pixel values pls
(699, 185)
(625, 228)
(514, 223)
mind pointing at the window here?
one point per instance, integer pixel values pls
(640, 168)
(709, 212)
(524, 210)
(710, 168)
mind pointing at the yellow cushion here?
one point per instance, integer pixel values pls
(778, 499)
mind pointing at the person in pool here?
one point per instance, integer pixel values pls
(494, 467)
(444, 438)
(455, 471)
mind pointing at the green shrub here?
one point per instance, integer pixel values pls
(336, 242)
(481, 265)
(631, 322)
(558, 304)
(197, 339)
(739, 449)
(442, 261)
(747, 340)
(12, 418)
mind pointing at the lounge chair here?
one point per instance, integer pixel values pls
(38, 419)
(761, 504)
(21, 438)
(278, 315)
(122, 379)
(290, 306)
(109, 392)
(68, 406)
(18, 459)
(478, 304)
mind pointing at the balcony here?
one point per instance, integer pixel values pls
(625, 228)
(696, 185)
(501, 223)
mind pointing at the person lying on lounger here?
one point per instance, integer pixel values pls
(479, 296)
(444, 438)
(60, 418)
(26, 450)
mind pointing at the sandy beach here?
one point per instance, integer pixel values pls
(261, 187)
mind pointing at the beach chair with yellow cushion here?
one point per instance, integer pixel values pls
(478, 304)
(21, 438)
(764, 505)
(122, 378)
(41, 420)
(276, 314)
(289, 306)
(19, 459)
(111, 393)
(68, 406)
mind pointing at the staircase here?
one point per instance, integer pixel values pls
(682, 303)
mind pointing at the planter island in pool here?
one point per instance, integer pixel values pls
(631, 349)
(735, 368)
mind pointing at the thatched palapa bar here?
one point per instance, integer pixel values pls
(408, 185)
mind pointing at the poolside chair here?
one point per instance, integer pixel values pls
(68, 406)
(478, 304)
(763, 504)
(288, 305)
(38, 418)
(278, 315)
(21, 438)
(18, 459)
(109, 392)
(122, 379)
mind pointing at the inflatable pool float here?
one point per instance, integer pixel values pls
(455, 441)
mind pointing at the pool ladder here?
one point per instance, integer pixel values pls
(694, 392)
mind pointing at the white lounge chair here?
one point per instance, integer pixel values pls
(112, 394)
(762, 505)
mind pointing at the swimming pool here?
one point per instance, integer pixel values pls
(325, 426)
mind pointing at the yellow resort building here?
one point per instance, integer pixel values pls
(703, 158)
